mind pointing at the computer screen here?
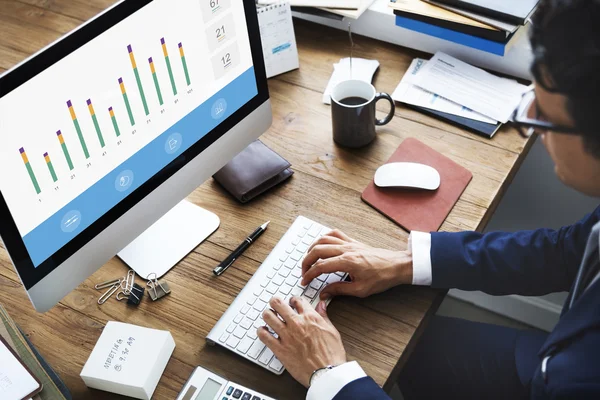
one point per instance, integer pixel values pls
(78, 138)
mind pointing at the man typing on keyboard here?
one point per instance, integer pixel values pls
(466, 360)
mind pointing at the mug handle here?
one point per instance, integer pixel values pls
(386, 120)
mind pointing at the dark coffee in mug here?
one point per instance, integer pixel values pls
(353, 113)
(353, 101)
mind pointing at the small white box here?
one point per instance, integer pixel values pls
(128, 360)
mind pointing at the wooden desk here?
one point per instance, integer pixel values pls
(326, 187)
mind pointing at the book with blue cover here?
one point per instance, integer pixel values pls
(474, 42)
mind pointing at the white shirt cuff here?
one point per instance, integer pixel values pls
(420, 245)
(328, 385)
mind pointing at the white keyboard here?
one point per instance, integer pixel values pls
(279, 275)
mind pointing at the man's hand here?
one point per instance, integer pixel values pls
(372, 270)
(307, 340)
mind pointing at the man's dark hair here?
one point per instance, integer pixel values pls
(566, 43)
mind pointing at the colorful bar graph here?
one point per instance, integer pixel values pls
(137, 78)
(114, 121)
(185, 68)
(126, 99)
(78, 129)
(95, 119)
(61, 140)
(168, 61)
(30, 170)
(50, 167)
(153, 70)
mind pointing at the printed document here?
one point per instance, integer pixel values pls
(15, 381)
(408, 93)
(470, 86)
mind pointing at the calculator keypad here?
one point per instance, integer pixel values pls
(240, 394)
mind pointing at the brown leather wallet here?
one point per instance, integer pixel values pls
(254, 171)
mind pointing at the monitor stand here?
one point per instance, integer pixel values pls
(169, 240)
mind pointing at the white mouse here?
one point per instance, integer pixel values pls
(407, 175)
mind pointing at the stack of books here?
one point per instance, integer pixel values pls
(486, 25)
(53, 387)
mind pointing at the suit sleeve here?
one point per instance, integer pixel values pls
(530, 263)
(362, 389)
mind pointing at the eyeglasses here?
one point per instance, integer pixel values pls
(528, 120)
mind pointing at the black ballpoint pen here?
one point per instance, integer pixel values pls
(240, 249)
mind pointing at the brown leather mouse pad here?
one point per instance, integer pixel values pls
(416, 209)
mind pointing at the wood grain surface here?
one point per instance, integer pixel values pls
(379, 331)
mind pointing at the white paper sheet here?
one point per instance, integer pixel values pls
(362, 70)
(408, 93)
(278, 39)
(470, 86)
(15, 381)
(344, 4)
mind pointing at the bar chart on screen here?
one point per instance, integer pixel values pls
(110, 99)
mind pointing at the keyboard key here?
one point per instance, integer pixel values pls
(308, 240)
(253, 314)
(252, 333)
(291, 280)
(277, 266)
(258, 323)
(272, 288)
(231, 327)
(297, 272)
(323, 277)
(284, 272)
(284, 257)
(258, 291)
(224, 337)
(247, 396)
(266, 297)
(301, 286)
(245, 345)
(340, 274)
(276, 365)
(297, 255)
(238, 319)
(255, 349)
(260, 305)
(302, 232)
(310, 293)
(266, 356)
(307, 224)
(233, 342)
(314, 231)
(251, 301)
(278, 280)
(316, 284)
(302, 248)
(230, 390)
(256, 398)
(289, 249)
(245, 309)
(239, 332)
(237, 394)
(297, 291)
(333, 278)
(271, 274)
(285, 289)
(290, 264)
(296, 241)
(247, 323)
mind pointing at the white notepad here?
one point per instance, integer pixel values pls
(16, 383)
(278, 39)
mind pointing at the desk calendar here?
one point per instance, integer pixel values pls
(278, 38)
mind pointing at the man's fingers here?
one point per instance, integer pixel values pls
(339, 289)
(269, 340)
(284, 310)
(323, 252)
(322, 310)
(273, 321)
(336, 233)
(300, 304)
(324, 267)
(326, 240)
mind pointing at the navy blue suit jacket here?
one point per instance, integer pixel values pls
(530, 263)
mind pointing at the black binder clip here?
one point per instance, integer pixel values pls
(133, 296)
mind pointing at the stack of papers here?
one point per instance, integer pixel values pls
(451, 86)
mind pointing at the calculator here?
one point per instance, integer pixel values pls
(205, 385)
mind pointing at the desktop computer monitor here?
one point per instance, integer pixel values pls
(107, 129)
